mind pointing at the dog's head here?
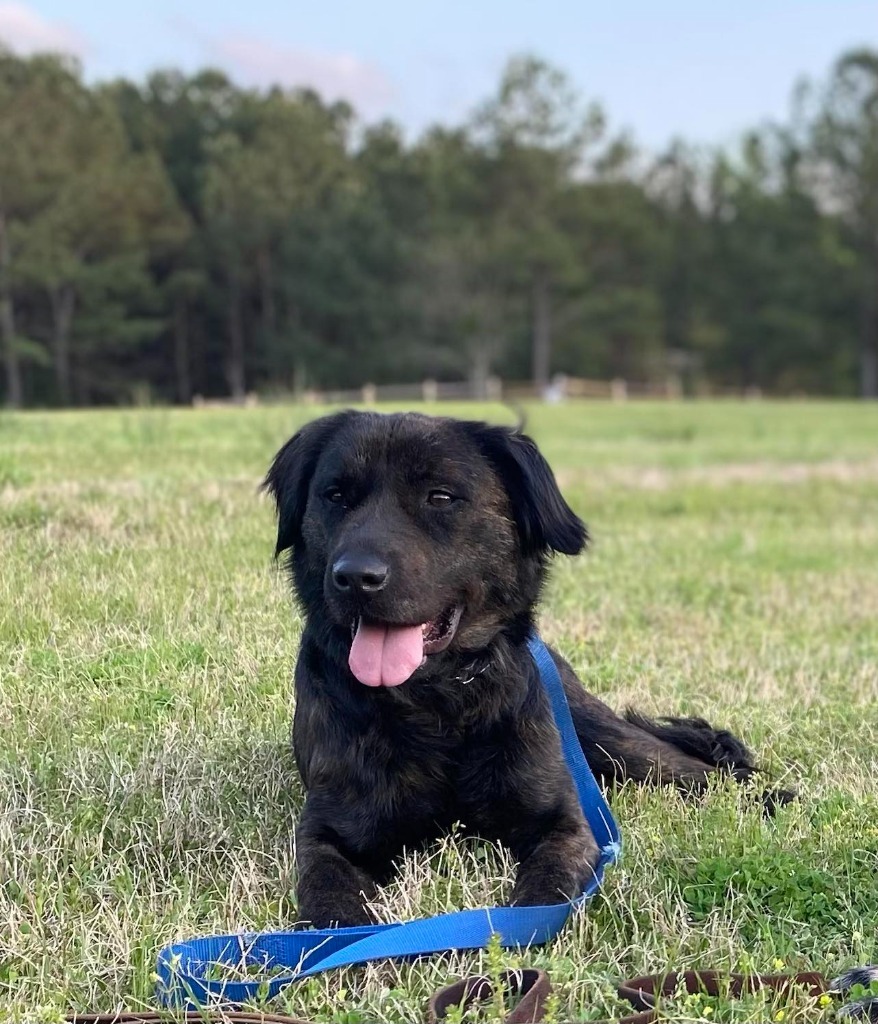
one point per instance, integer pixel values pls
(419, 535)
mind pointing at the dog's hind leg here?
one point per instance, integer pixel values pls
(678, 752)
(718, 748)
(682, 752)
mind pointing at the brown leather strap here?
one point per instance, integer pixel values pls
(642, 993)
(532, 986)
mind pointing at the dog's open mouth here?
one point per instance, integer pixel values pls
(439, 633)
(385, 654)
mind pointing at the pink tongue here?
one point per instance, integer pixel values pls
(386, 655)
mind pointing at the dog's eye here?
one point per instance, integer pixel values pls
(334, 495)
(440, 499)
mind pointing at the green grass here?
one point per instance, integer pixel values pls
(147, 792)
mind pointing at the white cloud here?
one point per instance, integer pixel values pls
(334, 75)
(25, 31)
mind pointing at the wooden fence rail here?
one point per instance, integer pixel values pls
(494, 389)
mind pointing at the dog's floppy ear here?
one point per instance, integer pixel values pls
(545, 521)
(290, 475)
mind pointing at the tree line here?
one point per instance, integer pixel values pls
(184, 236)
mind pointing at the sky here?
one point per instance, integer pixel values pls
(705, 70)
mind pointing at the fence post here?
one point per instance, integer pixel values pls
(555, 391)
(429, 390)
(369, 394)
(494, 389)
(618, 390)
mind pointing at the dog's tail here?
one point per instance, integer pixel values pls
(697, 738)
(717, 747)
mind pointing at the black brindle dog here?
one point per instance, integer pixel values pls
(419, 549)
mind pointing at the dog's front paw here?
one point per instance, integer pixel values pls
(331, 906)
(554, 876)
(332, 892)
(546, 890)
(333, 912)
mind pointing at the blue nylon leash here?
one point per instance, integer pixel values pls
(186, 970)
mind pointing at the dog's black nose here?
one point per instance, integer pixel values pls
(364, 574)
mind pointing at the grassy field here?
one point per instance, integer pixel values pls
(147, 640)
